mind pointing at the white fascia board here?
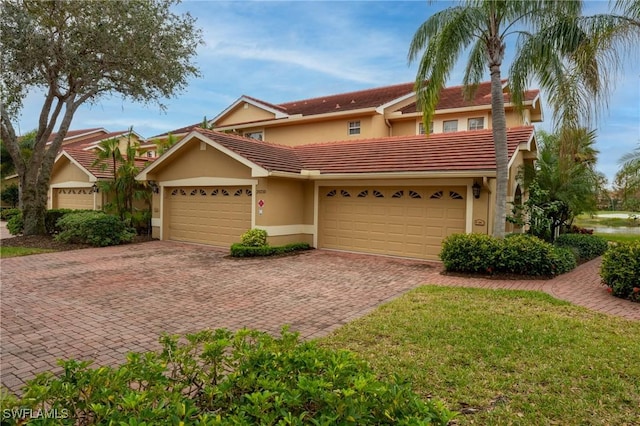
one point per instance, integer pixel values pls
(406, 175)
(526, 146)
(72, 184)
(381, 108)
(92, 178)
(244, 99)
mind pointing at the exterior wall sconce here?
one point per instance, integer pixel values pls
(154, 186)
(476, 190)
(95, 188)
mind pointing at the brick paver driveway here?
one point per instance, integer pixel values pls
(103, 303)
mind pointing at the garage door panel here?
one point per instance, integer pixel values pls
(74, 198)
(207, 216)
(406, 221)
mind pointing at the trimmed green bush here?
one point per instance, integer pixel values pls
(588, 246)
(15, 224)
(95, 228)
(473, 253)
(254, 238)
(516, 254)
(239, 250)
(52, 216)
(6, 214)
(224, 378)
(620, 270)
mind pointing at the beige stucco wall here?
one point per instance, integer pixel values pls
(65, 171)
(244, 113)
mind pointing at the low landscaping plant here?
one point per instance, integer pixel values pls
(588, 246)
(224, 378)
(620, 270)
(95, 228)
(254, 238)
(239, 250)
(6, 214)
(516, 254)
(15, 224)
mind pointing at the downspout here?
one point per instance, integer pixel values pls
(386, 121)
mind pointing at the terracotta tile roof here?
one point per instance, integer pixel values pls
(181, 130)
(347, 101)
(74, 133)
(87, 158)
(460, 151)
(93, 140)
(265, 154)
(453, 97)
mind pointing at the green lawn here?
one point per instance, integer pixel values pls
(20, 251)
(518, 358)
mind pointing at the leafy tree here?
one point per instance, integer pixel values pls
(78, 52)
(550, 36)
(10, 195)
(164, 144)
(627, 180)
(26, 143)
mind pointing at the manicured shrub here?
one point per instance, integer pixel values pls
(221, 378)
(469, 253)
(588, 246)
(254, 238)
(239, 250)
(15, 224)
(51, 218)
(95, 228)
(620, 270)
(515, 254)
(6, 214)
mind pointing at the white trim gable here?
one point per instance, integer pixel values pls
(92, 178)
(383, 107)
(95, 144)
(245, 99)
(256, 170)
(525, 146)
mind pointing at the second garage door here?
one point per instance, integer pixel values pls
(73, 198)
(408, 221)
(209, 215)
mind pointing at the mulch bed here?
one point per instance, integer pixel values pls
(47, 242)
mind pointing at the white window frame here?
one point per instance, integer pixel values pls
(421, 128)
(354, 128)
(444, 126)
(257, 135)
(475, 127)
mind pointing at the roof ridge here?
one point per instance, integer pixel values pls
(344, 93)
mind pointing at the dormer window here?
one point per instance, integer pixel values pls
(254, 135)
(476, 123)
(354, 127)
(450, 126)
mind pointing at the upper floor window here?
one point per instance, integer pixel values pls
(354, 127)
(254, 135)
(151, 154)
(421, 128)
(476, 123)
(450, 126)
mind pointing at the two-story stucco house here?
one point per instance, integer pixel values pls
(353, 171)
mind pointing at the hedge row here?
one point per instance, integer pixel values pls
(239, 250)
(224, 378)
(586, 246)
(517, 254)
(620, 270)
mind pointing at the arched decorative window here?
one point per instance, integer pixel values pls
(378, 194)
(455, 196)
(248, 192)
(398, 194)
(363, 194)
(344, 193)
(194, 192)
(332, 193)
(202, 192)
(414, 194)
(183, 192)
(224, 192)
(215, 192)
(436, 195)
(237, 193)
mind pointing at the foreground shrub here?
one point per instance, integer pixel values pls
(620, 270)
(95, 228)
(239, 250)
(222, 378)
(473, 253)
(516, 254)
(6, 214)
(588, 246)
(254, 238)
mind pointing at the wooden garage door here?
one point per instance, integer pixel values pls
(73, 198)
(408, 221)
(209, 215)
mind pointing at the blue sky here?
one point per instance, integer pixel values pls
(289, 50)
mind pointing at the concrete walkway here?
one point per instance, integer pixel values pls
(102, 303)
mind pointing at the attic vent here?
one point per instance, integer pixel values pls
(324, 100)
(246, 105)
(337, 106)
(203, 146)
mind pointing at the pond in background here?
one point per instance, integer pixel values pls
(615, 229)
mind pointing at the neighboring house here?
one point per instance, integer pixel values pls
(348, 172)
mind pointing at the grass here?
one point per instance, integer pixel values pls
(620, 238)
(20, 251)
(518, 358)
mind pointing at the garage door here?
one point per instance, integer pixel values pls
(209, 215)
(408, 221)
(73, 198)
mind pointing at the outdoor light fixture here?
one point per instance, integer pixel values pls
(476, 190)
(154, 186)
(95, 188)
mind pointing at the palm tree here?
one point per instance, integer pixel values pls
(109, 150)
(483, 26)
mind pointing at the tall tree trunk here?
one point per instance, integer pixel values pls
(499, 124)
(34, 206)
